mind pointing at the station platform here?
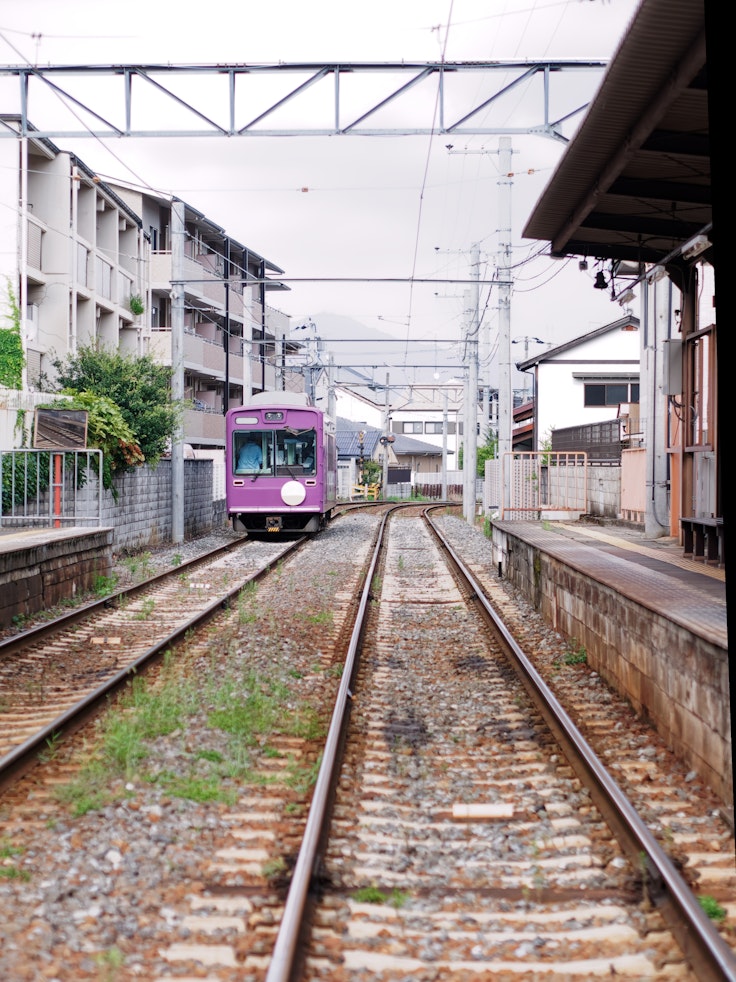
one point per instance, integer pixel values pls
(653, 572)
(653, 624)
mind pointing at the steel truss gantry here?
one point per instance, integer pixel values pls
(268, 100)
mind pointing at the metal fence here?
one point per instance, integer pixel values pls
(51, 488)
(540, 482)
(602, 442)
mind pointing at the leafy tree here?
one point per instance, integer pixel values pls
(483, 452)
(139, 386)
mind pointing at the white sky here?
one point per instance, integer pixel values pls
(382, 207)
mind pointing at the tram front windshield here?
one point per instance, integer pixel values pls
(287, 453)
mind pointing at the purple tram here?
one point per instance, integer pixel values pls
(280, 465)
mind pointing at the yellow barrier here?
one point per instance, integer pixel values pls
(367, 491)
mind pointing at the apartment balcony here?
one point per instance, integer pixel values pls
(204, 426)
(204, 285)
(35, 233)
(207, 357)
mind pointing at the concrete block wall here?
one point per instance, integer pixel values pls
(142, 515)
(39, 567)
(604, 491)
(672, 678)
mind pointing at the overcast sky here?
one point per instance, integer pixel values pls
(388, 207)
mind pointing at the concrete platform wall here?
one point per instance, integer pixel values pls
(671, 676)
(41, 568)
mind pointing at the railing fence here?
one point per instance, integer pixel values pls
(51, 488)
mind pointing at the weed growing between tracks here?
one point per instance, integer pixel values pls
(234, 711)
(712, 908)
(10, 871)
(372, 895)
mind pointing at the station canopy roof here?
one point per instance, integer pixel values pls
(634, 183)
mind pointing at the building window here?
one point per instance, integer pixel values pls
(610, 393)
(412, 427)
(433, 427)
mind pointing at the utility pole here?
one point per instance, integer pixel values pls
(178, 235)
(505, 394)
(331, 398)
(470, 443)
(386, 425)
(444, 446)
(247, 360)
(505, 403)
(659, 301)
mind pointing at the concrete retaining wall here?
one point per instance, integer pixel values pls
(41, 567)
(671, 676)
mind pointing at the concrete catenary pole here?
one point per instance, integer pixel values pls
(444, 446)
(386, 430)
(470, 443)
(655, 339)
(178, 235)
(331, 395)
(505, 392)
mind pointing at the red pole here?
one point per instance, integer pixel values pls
(57, 489)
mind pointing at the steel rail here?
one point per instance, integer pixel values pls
(283, 958)
(49, 628)
(19, 759)
(709, 956)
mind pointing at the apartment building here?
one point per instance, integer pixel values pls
(73, 255)
(234, 342)
(90, 262)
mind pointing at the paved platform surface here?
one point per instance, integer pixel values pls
(16, 539)
(653, 572)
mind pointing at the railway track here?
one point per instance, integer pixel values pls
(52, 676)
(463, 844)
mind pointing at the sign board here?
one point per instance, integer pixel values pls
(60, 429)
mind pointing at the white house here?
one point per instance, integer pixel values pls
(426, 410)
(586, 380)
